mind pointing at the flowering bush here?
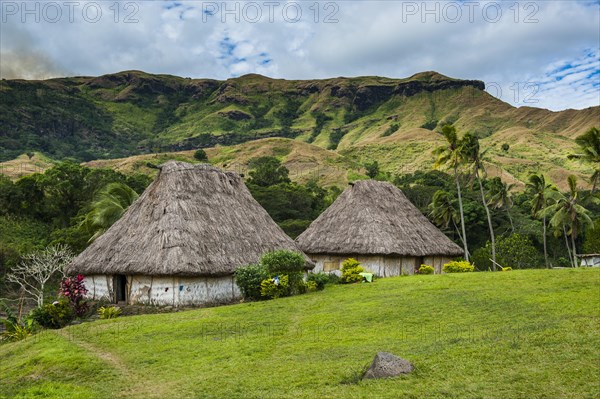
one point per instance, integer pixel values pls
(73, 288)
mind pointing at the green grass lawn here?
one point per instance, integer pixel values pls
(520, 334)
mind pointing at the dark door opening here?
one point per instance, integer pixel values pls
(120, 284)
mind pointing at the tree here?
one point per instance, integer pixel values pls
(200, 155)
(501, 197)
(372, 169)
(267, 171)
(108, 207)
(450, 155)
(36, 269)
(541, 191)
(514, 251)
(589, 143)
(505, 147)
(474, 156)
(569, 215)
(443, 211)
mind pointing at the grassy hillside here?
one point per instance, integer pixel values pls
(521, 334)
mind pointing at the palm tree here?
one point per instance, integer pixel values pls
(473, 154)
(109, 205)
(450, 155)
(443, 211)
(501, 197)
(589, 143)
(567, 213)
(541, 192)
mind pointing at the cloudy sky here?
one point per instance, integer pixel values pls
(534, 53)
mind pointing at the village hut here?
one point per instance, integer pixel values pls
(181, 241)
(376, 224)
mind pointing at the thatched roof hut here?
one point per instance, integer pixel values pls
(192, 221)
(375, 219)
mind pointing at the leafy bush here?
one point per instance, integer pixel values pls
(319, 279)
(73, 288)
(275, 287)
(283, 261)
(311, 286)
(15, 329)
(333, 278)
(109, 312)
(515, 250)
(249, 279)
(200, 155)
(425, 269)
(458, 267)
(53, 315)
(506, 269)
(289, 263)
(350, 271)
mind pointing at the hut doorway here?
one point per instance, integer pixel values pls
(120, 288)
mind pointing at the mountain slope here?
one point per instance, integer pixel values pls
(392, 120)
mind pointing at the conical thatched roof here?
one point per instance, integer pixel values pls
(375, 218)
(193, 220)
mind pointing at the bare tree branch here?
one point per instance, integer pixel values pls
(36, 269)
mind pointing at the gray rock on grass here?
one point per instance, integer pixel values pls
(387, 365)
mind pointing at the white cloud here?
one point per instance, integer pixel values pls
(387, 38)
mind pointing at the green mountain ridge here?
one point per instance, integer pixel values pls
(391, 120)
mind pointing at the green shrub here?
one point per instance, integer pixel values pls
(275, 287)
(249, 279)
(15, 329)
(200, 155)
(289, 263)
(320, 279)
(425, 269)
(53, 315)
(515, 250)
(333, 278)
(109, 312)
(458, 267)
(311, 286)
(506, 269)
(350, 271)
(283, 261)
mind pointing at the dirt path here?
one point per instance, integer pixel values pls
(135, 385)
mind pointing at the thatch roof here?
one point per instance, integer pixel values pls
(375, 218)
(193, 220)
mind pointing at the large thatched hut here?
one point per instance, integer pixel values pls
(375, 223)
(181, 241)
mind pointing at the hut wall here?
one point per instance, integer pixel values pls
(165, 290)
(382, 266)
(99, 287)
(437, 262)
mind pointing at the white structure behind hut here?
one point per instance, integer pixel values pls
(181, 241)
(590, 260)
(377, 225)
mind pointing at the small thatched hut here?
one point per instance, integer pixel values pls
(181, 241)
(375, 223)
